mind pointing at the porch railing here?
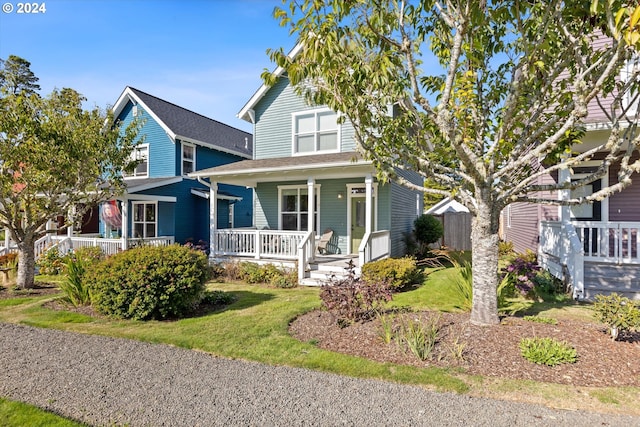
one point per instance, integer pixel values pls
(109, 246)
(375, 245)
(306, 253)
(279, 244)
(573, 244)
(610, 242)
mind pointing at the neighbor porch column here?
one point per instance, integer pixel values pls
(71, 216)
(7, 238)
(564, 212)
(213, 219)
(124, 224)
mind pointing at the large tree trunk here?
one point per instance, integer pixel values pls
(26, 263)
(484, 258)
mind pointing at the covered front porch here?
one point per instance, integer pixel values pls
(594, 256)
(297, 200)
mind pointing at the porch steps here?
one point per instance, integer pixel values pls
(324, 268)
(603, 278)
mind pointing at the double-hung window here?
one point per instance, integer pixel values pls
(141, 154)
(294, 208)
(188, 158)
(315, 131)
(144, 220)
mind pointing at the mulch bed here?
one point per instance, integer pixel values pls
(488, 351)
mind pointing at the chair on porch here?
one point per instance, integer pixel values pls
(324, 241)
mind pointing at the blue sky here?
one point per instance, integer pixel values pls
(204, 55)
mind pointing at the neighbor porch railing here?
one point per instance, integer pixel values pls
(65, 244)
(568, 246)
(375, 245)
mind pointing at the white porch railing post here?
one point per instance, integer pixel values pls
(311, 208)
(258, 244)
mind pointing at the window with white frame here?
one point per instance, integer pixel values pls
(631, 97)
(315, 131)
(294, 208)
(188, 158)
(145, 223)
(141, 154)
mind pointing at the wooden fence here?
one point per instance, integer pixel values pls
(457, 230)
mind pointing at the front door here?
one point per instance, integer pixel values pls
(358, 222)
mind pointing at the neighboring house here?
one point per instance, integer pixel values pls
(307, 177)
(594, 247)
(162, 204)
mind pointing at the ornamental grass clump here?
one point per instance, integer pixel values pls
(149, 282)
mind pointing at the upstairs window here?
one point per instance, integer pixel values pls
(140, 153)
(315, 131)
(188, 158)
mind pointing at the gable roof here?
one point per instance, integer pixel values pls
(185, 125)
(246, 113)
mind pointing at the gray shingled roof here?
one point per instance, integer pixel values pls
(197, 127)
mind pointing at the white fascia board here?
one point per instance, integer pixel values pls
(153, 185)
(213, 147)
(257, 96)
(129, 95)
(147, 198)
(205, 195)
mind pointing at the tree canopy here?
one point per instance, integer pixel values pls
(482, 98)
(56, 159)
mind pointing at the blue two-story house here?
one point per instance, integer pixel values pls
(161, 200)
(309, 179)
(162, 204)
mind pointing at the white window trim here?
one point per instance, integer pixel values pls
(316, 111)
(604, 203)
(625, 73)
(144, 221)
(231, 215)
(182, 159)
(302, 187)
(134, 154)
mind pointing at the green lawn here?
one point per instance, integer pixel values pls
(255, 327)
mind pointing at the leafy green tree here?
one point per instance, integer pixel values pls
(56, 159)
(16, 76)
(483, 94)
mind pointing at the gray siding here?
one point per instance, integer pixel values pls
(622, 205)
(404, 207)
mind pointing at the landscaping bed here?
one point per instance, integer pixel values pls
(487, 351)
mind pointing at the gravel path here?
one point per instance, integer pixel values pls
(109, 381)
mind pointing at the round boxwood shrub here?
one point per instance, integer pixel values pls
(428, 229)
(149, 282)
(398, 273)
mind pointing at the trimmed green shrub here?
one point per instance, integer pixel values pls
(619, 313)
(50, 263)
(397, 272)
(149, 282)
(427, 229)
(547, 351)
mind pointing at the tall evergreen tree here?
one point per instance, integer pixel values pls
(16, 76)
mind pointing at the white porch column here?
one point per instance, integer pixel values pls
(71, 217)
(310, 203)
(213, 219)
(125, 224)
(368, 182)
(564, 212)
(7, 239)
